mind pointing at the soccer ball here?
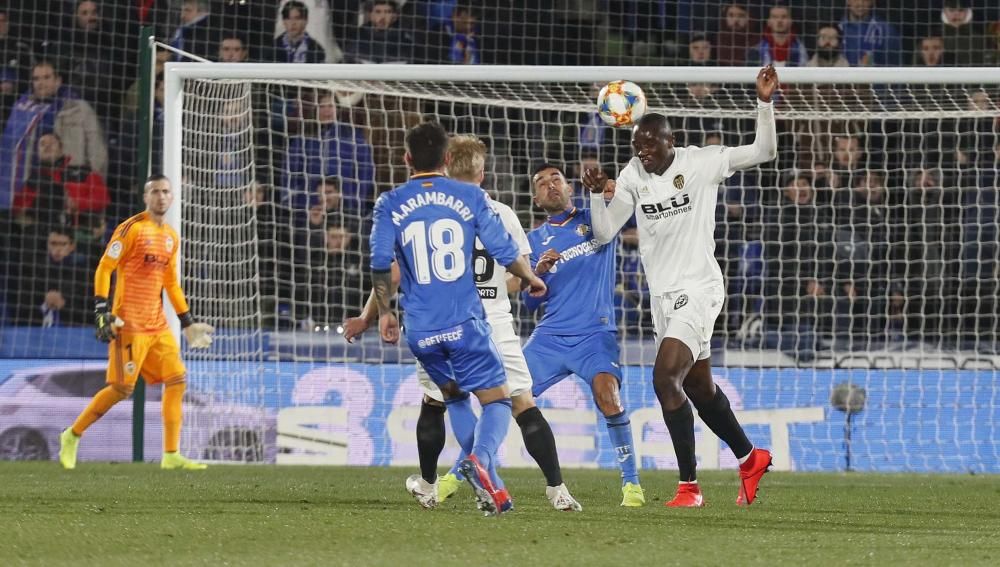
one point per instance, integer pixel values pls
(621, 103)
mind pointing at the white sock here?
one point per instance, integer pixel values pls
(746, 457)
(688, 482)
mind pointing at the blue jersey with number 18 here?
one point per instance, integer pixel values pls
(429, 226)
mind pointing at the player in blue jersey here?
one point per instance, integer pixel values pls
(429, 226)
(577, 332)
(467, 161)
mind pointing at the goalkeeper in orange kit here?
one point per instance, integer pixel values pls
(143, 256)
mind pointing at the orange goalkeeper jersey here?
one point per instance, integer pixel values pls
(143, 256)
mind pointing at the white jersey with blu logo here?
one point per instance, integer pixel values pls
(491, 276)
(675, 215)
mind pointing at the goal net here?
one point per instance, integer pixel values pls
(862, 266)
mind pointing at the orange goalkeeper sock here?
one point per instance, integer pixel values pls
(173, 394)
(102, 402)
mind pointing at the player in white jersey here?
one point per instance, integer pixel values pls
(672, 192)
(466, 162)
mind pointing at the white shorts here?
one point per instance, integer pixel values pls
(689, 316)
(509, 346)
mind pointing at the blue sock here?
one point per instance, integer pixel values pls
(490, 434)
(455, 468)
(463, 421)
(620, 432)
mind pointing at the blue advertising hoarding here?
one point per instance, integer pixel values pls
(365, 414)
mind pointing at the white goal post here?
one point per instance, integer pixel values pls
(885, 357)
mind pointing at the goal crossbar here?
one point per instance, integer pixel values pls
(564, 74)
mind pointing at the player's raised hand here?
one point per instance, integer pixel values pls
(767, 83)
(595, 180)
(547, 260)
(388, 327)
(536, 287)
(609, 189)
(354, 327)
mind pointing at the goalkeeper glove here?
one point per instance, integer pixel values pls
(199, 335)
(105, 322)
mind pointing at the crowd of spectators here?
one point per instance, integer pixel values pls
(868, 232)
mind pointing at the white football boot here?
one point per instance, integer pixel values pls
(424, 492)
(561, 499)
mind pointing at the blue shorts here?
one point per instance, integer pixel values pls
(464, 354)
(554, 357)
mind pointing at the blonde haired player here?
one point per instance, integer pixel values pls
(143, 256)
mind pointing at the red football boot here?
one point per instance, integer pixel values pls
(489, 500)
(503, 501)
(688, 496)
(750, 474)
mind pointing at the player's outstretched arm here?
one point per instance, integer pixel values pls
(355, 326)
(514, 283)
(765, 143)
(533, 284)
(607, 218)
(388, 325)
(542, 266)
(382, 244)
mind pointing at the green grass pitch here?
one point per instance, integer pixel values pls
(137, 515)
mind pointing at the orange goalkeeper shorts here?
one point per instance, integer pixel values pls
(156, 356)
